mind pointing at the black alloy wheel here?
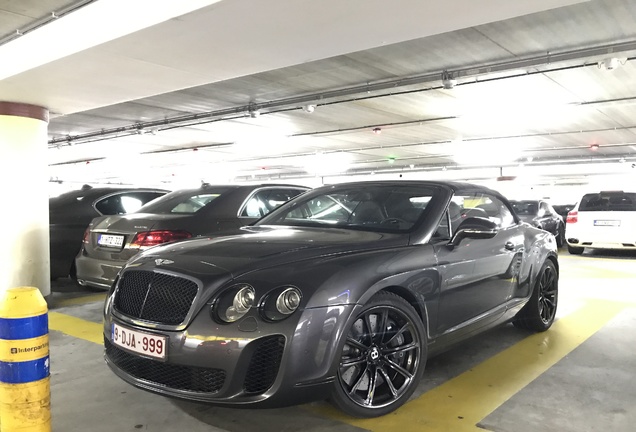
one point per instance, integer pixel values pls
(382, 359)
(538, 314)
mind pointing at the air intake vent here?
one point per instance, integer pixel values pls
(264, 364)
(194, 379)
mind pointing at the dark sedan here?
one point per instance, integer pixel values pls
(110, 241)
(342, 293)
(71, 212)
(540, 214)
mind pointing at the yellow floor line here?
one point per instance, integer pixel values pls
(461, 403)
(80, 300)
(76, 327)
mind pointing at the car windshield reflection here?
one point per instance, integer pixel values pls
(375, 208)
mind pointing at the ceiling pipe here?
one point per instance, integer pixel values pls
(296, 103)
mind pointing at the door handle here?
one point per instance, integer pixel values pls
(509, 246)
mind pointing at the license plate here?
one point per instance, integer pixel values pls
(613, 223)
(110, 240)
(139, 342)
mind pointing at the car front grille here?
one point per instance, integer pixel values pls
(264, 364)
(154, 296)
(194, 379)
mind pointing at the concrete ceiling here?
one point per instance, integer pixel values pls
(221, 93)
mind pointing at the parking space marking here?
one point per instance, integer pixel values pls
(461, 403)
(76, 327)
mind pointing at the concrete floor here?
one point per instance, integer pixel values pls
(577, 377)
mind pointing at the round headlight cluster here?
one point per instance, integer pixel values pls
(235, 302)
(281, 303)
(288, 301)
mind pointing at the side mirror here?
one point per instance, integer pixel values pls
(474, 228)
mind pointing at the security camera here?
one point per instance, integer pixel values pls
(309, 108)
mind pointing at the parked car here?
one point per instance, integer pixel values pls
(563, 209)
(341, 293)
(110, 241)
(605, 220)
(71, 212)
(540, 214)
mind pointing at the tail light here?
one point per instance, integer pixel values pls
(573, 217)
(87, 236)
(154, 238)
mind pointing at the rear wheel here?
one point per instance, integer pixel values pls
(538, 314)
(382, 359)
(575, 250)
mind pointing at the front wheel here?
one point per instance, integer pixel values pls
(382, 359)
(560, 236)
(538, 314)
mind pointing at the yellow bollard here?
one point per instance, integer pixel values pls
(25, 395)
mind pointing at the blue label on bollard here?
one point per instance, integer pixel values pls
(24, 372)
(24, 328)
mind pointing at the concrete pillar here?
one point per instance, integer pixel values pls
(24, 205)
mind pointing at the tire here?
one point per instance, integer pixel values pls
(560, 236)
(379, 370)
(539, 312)
(575, 250)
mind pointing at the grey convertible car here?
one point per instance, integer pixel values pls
(342, 293)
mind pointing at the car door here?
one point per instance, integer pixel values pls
(477, 275)
(546, 219)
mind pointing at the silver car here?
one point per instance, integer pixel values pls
(110, 241)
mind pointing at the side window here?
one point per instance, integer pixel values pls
(443, 230)
(110, 205)
(125, 202)
(543, 209)
(266, 200)
(480, 205)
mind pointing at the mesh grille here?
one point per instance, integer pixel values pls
(264, 365)
(155, 297)
(178, 377)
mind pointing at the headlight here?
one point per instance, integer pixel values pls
(234, 303)
(288, 301)
(281, 303)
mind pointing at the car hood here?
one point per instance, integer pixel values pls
(251, 248)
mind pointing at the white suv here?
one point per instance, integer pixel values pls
(605, 220)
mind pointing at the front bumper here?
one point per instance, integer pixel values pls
(248, 363)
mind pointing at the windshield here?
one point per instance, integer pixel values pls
(185, 201)
(525, 208)
(608, 201)
(373, 207)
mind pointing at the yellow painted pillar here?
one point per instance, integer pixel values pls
(25, 394)
(24, 249)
